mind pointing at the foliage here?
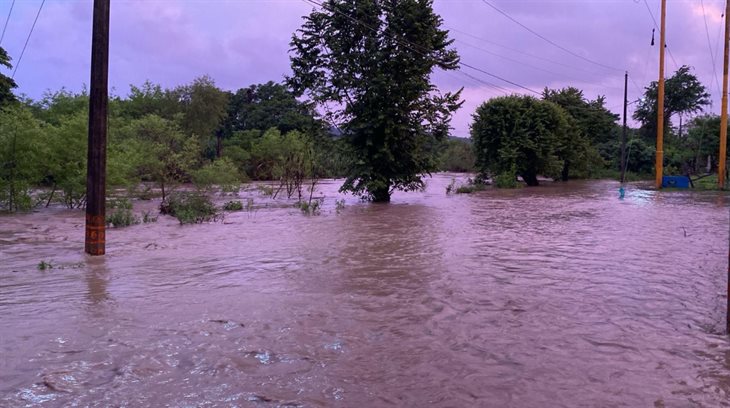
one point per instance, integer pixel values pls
(204, 108)
(289, 159)
(23, 150)
(163, 153)
(66, 162)
(350, 59)
(190, 208)
(591, 126)
(43, 265)
(684, 94)
(311, 207)
(221, 172)
(270, 105)
(233, 206)
(519, 134)
(507, 179)
(120, 214)
(6, 84)
(457, 156)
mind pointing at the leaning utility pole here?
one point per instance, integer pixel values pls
(623, 137)
(723, 117)
(660, 100)
(96, 158)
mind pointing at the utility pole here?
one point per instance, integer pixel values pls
(723, 117)
(660, 100)
(623, 137)
(95, 243)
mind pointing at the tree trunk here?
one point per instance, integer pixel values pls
(530, 179)
(566, 171)
(381, 195)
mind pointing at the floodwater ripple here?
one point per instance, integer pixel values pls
(561, 295)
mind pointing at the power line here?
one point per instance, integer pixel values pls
(17, 64)
(709, 45)
(523, 53)
(7, 19)
(550, 41)
(413, 47)
(676, 66)
(506, 58)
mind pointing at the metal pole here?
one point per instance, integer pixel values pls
(95, 243)
(623, 137)
(660, 100)
(723, 116)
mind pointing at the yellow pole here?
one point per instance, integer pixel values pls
(660, 101)
(723, 116)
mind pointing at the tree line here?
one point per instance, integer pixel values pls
(359, 104)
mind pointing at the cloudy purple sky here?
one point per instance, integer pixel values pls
(241, 42)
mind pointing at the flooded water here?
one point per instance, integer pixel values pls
(561, 295)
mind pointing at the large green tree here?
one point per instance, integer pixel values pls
(367, 64)
(519, 135)
(265, 106)
(204, 108)
(592, 127)
(7, 84)
(684, 94)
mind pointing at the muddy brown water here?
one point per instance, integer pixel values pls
(561, 295)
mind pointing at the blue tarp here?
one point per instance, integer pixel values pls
(675, 182)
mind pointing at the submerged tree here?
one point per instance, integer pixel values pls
(367, 63)
(519, 135)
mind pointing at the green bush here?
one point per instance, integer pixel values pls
(120, 214)
(190, 208)
(233, 206)
(222, 173)
(310, 207)
(506, 180)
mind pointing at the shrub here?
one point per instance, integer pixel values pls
(233, 206)
(310, 207)
(506, 180)
(121, 214)
(190, 208)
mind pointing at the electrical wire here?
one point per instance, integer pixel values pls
(676, 66)
(7, 19)
(577, 68)
(17, 64)
(709, 45)
(550, 41)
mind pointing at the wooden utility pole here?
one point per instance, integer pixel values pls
(660, 100)
(623, 137)
(723, 115)
(96, 158)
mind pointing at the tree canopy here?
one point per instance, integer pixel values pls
(519, 135)
(7, 84)
(592, 127)
(684, 94)
(367, 64)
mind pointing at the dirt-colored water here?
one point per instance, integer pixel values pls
(561, 295)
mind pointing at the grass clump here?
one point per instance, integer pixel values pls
(190, 208)
(233, 206)
(471, 186)
(310, 207)
(43, 265)
(120, 214)
(506, 180)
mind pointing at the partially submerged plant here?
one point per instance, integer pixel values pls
(233, 206)
(190, 208)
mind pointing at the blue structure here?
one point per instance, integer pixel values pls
(675, 182)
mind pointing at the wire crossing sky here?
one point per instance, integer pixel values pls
(242, 42)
